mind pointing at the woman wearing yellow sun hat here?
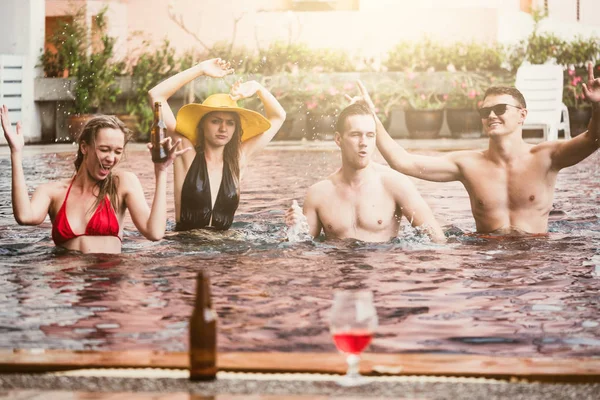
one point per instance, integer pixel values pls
(224, 137)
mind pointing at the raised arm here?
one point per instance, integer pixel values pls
(413, 206)
(26, 211)
(570, 152)
(215, 68)
(437, 169)
(162, 92)
(273, 110)
(151, 222)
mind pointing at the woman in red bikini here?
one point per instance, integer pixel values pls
(87, 211)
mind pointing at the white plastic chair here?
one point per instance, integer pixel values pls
(542, 87)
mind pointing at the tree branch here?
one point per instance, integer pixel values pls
(178, 19)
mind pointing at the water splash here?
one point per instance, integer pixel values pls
(299, 232)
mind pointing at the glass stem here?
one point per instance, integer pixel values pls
(353, 371)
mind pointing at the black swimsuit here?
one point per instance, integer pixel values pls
(196, 209)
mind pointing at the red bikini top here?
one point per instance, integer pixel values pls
(103, 223)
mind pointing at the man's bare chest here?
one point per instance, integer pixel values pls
(527, 185)
(365, 211)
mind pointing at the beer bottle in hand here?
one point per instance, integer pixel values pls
(158, 133)
(203, 333)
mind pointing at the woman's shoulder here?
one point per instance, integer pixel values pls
(55, 188)
(124, 176)
(125, 179)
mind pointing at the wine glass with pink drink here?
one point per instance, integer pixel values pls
(352, 323)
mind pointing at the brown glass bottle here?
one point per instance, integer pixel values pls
(203, 333)
(158, 133)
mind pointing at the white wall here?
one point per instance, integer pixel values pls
(512, 5)
(377, 26)
(22, 33)
(117, 16)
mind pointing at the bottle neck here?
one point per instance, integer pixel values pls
(203, 298)
(158, 111)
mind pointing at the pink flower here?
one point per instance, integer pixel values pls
(411, 75)
(417, 86)
(376, 109)
(445, 97)
(463, 85)
(332, 91)
(571, 72)
(479, 103)
(472, 94)
(311, 105)
(423, 97)
(348, 86)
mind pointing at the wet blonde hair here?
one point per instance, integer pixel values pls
(107, 186)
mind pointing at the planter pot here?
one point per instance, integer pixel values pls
(424, 124)
(320, 126)
(579, 118)
(294, 127)
(464, 123)
(396, 126)
(131, 122)
(75, 124)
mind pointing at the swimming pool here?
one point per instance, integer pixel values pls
(475, 295)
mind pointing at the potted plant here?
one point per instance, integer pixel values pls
(580, 110)
(388, 100)
(424, 114)
(461, 108)
(65, 46)
(94, 83)
(294, 103)
(323, 104)
(150, 67)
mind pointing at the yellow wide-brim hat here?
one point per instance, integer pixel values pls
(189, 117)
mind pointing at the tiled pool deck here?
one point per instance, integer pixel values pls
(175, 385)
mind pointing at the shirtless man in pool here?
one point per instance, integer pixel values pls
(363, 200)
(510, 184)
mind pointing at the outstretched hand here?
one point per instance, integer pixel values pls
(172, 152)
(16, 142)
(243, 90)
(216, 68)
(591, 89)
(364, 96)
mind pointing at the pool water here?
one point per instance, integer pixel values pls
(496, 296)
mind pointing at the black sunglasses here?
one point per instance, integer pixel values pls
(498, 109)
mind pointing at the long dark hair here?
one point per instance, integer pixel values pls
(233, 149)
(107, 186)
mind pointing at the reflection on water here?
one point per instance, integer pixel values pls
(529, 296)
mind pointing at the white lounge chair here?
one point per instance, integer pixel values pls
(542, 87)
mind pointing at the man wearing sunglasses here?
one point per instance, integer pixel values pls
(511, 183)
